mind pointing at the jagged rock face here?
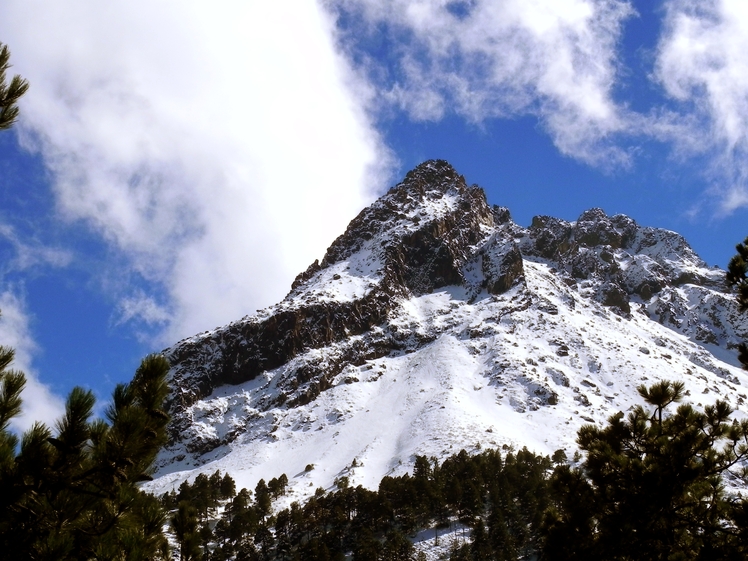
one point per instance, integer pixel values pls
(418, 237)
(433, 235)
(624, 260)
(422, 230)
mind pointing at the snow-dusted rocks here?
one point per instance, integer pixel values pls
(436, 323)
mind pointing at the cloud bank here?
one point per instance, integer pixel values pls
(555, 59)
(562, 62)
(218, 148)
(702, 65)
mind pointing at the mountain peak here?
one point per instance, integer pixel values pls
(432, 206)
(432, 175)
(438, 309)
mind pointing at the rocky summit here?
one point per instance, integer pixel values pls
(436, 323)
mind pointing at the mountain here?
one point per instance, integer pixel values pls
(436, 323)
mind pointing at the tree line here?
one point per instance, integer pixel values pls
(651, 486)
(510, 491)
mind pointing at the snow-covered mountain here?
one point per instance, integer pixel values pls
(435, 323)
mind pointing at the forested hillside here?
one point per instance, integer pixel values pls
(656, 484)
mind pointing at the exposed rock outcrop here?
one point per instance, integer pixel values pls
(415, 239)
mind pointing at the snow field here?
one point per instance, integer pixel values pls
(499, 373)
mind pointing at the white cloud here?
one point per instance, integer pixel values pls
(702, 65)
(144, 307)
(219, 146)
(39, 403)
(556, 59)
(32, 253)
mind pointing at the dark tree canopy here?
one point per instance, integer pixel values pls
(653, 485)
(11, 92)
(72, 493)
(737, 276)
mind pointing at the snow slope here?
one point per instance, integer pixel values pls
(388, 349)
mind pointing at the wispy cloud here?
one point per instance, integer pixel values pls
(556, 59)
(30, 253)
(26, 256)
(218, 147)
(702, 65)
(144, 307)
(39, 402)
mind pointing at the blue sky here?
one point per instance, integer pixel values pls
(177, 164)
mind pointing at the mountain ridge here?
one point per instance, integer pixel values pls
(461, 321)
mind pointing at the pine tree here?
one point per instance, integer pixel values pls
(9, 93)
(737, 276)
(228, 487)
(184, 524)
(73, 493)
(263, 502)
(397, 547)
(652, 485)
